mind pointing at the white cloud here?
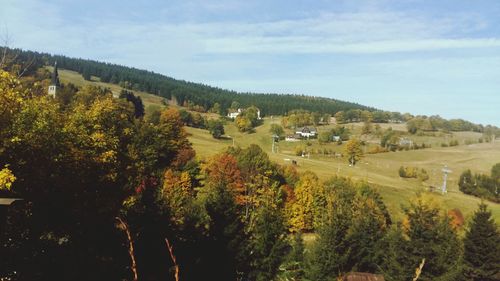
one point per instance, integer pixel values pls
(351, 33)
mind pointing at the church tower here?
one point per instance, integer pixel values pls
(54, 82)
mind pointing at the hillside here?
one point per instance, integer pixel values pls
(184, 91)
(89, 168)
(379, 169)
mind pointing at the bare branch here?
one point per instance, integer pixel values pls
(130, 247)
(418, 271)
(172, 256)
(5, 44)
(27, 67)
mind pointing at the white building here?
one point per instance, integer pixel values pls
(235, 114)
(306, 132)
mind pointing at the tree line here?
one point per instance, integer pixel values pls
(203, 96)
(481, 185)
(434, 123)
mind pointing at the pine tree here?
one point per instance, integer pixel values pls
(227, 242)
(482, 247)
(425, 234)
(268, 243)
(331, 250)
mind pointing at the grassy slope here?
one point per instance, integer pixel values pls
(67, 76)
(378, 169)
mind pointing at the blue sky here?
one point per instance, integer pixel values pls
(423, 57)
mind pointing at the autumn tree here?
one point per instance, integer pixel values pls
(340, 117)
(306, 210)
(259, 174)
(277, 130)
(6, 178)
(353, 151)
(222, 170)
(244, 124)
(216, 128)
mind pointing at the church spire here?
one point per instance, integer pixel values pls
(55, 76)
(54, 82)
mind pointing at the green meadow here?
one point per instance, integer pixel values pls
(380, 170)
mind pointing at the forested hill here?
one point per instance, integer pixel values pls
(184, 91)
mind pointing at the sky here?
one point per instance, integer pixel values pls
(419, 56)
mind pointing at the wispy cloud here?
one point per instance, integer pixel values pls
(347, 33)
(308, 45)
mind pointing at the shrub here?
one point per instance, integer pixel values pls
(378, 149)
(413, 172)
(298, 150)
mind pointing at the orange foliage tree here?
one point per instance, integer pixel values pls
(222, 170)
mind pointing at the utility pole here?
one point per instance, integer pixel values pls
(274, 147)
(446, 171)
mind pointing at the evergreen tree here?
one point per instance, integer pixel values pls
(227, 243)
(331, 249)
(482, 247)
(268, 243)
(355, 222)
(135, 100)
(425, 233)
(495, 173)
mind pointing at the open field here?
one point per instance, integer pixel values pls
(68, 76)
(380, 170)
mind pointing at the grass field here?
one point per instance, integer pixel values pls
(380, 170)
(68, 76)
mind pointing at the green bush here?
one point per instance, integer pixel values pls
(413, 172)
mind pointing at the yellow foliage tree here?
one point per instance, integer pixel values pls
(304, 211)
(6, 178)
(176, 193)
(353, 151)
